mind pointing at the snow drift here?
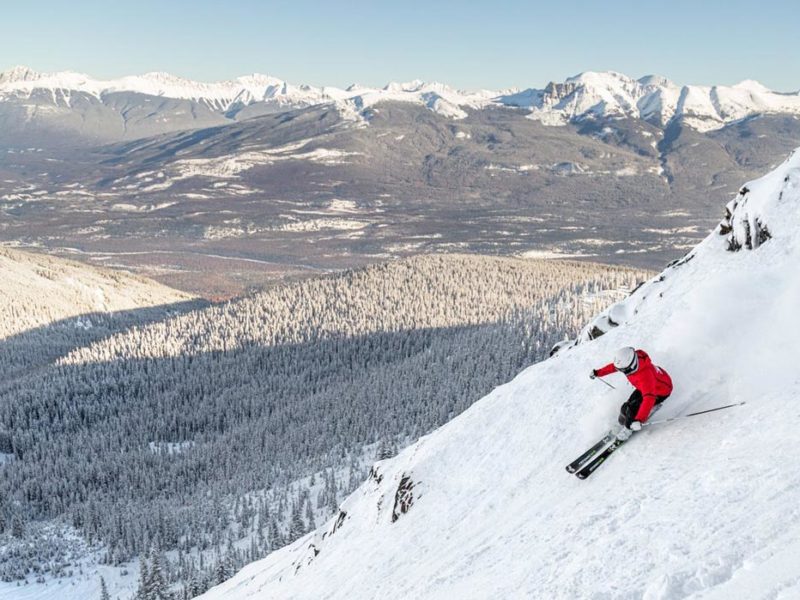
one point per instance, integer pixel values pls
(706, 507)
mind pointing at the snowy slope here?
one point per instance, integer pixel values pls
(701, 508)
(24, 83)
(654, 99)
(587, 95)
(38, 289)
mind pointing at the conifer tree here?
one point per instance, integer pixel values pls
(157, 586)
(297, 528)
(104, 590)
(142, 592)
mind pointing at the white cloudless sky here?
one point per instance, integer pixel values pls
(499, 44)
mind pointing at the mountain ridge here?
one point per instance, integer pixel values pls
(589, 94)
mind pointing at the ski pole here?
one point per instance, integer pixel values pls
(700, 412)
(604, 381)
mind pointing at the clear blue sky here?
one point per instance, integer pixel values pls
(492, 44)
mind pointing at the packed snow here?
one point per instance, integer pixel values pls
(704, 507)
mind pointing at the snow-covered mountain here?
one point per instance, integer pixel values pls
(588, 95)
(191, 173)
(705, 507)
(23, 82)
(653, 99)
(228, 97)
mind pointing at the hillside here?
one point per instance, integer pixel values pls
(705, 507)
(204, 428)
(39, 290)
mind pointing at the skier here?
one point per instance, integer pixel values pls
(653, 385)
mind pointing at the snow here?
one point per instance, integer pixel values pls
(612, 94)
(242, 91)
(170, 447)
(81, 571)
(223, 95)
(628, 171)
(322, 224)
(52, 289)
(705, 507)
(587, 95)
(229, 166)
(121, 583)
(346, 206)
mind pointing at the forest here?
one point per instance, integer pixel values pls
(202, 437)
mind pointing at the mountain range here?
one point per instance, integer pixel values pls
(217, 188)
(588, 95)
(46, 97)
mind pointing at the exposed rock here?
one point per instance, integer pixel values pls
(403, 498)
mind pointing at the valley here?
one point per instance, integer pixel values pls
(326, 182)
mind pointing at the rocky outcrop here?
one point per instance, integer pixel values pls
(403, 498)
(742, 228)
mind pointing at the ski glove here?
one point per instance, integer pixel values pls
(593, 374)
(635, 426)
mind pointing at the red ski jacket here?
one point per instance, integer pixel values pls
(650, 380)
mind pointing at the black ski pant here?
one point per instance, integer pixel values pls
(629, 408)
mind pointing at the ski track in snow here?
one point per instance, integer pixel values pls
(703, 507)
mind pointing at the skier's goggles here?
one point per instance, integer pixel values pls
(631, 368)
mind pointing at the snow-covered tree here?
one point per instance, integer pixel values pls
(157, 424)
(157, 587)
(104, 595)
(297, 527)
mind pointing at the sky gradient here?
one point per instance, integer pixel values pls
(470, 45)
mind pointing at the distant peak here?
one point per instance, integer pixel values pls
(656, 81)
(19, 73)
(260, 79)
(408, 86)
(751, 85)
(162, 76)
(599, 78)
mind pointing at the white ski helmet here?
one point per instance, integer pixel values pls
(625, 360)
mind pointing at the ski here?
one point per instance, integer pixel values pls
(591, 452)
(598, 460)
(584, 458)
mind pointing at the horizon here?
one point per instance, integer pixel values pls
(8, 69)
(510, 44)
